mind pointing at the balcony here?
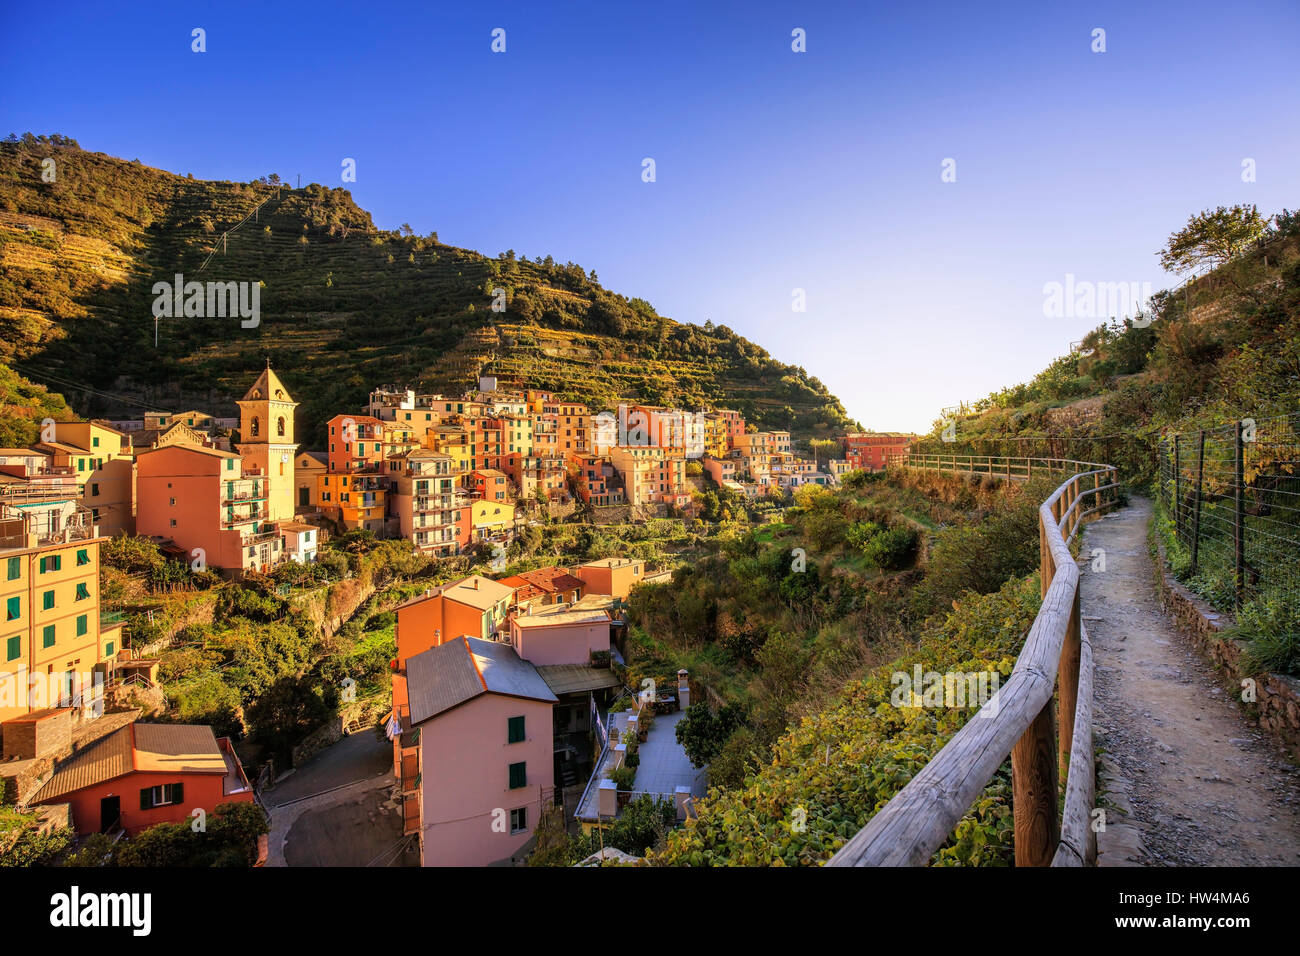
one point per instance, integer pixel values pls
(244, 496)
(244, 519)
(249, 540)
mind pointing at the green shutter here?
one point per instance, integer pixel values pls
(518, 775)
(178, 792)
(146, 799)
(14, 607)
(14, 647)
(47, 600)
(48, 636)
(108, 649)
(81, 626)
(83, 591)
(15, 568)
(83, 557)
(515, 730)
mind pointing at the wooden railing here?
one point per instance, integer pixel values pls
(1019, 719)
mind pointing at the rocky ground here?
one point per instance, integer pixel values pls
(1186, 779)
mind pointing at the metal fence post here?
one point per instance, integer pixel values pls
(1178, 490)
(1196, 517)
(1239, 522)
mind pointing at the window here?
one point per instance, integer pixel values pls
(83, 591)
(230, 464)
(518, 775)
(108, 648)
(161, 796)
(47, 636)
(15, 568)
(519, 820)
(514, 730)
(13, 609)
(82, 626)
(94, 442)
(94, 489)
(279, 426)
(13, 647)
(255, 426)
(51, 562)
(47, 600)
(81, 464)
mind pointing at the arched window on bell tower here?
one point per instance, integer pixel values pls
(255, 427)
(279, 426)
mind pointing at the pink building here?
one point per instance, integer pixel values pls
(481, 765)
(559, 635)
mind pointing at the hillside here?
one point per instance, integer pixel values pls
(344, 306)
(1221, 347)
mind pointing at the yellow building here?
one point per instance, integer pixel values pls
(716, 442)
(453, 441)
(51, 638)
(491, 520)
(100, 456)
(266, 441)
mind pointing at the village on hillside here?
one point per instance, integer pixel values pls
(481, 663)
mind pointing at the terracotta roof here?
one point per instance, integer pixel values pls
(552, 579)
(174, 748)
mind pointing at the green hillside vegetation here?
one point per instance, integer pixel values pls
(345, 306)
(909, 569)
(1219, 348)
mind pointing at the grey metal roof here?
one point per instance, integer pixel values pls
(446, 676)
(572, 678)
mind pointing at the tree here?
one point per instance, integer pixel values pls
(1212, 237)
(702, 732)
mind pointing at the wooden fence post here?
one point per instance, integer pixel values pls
(1033, 784)
(1067, 683)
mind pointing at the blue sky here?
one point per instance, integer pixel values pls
(775, 170)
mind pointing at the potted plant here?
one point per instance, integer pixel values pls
(644, 723)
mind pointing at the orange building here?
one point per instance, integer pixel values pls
(872, 451)
(210, 504)
(145, 774)
(612, 576)
(474, 606)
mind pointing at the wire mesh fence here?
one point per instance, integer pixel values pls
(1230, 503)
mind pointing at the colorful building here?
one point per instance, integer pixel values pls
(613, 576)
(474, 752)
(266, 443)
(211, 504)
(52, 639)
(871, 451)
(145, 774)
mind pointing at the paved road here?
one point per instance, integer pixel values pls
(1190, 781)
(338, 809)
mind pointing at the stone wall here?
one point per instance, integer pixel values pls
(1276, 707)
(351, 718)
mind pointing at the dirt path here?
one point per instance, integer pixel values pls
(1189, 781)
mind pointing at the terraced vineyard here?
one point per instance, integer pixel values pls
(344, 306)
